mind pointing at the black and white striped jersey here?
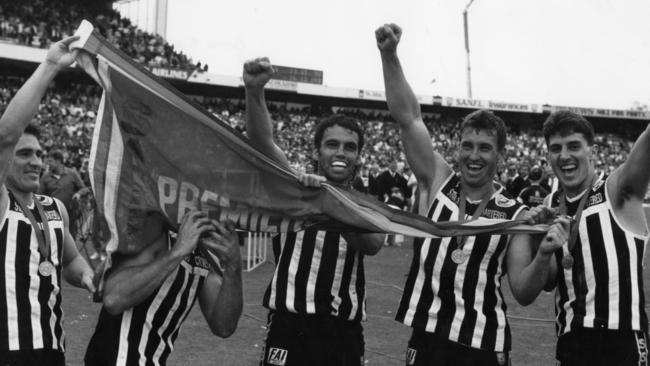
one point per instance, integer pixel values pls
(460, 302)
(30, 304)
(317, 272)
(604, 287)
(145, 334)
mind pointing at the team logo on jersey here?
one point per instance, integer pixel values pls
(45, 200)
(410, 356)
(198, 261)
(598, 184)
(277, 356)
(503, 201)
(453, 195)
(595, 199)
(52, 216)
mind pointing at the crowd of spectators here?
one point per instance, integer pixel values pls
(38, 23)
(524, 149)
(67, 116)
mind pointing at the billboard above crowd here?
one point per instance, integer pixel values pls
(297, 74)
(487, 104)
(170, 73)
(604, 113)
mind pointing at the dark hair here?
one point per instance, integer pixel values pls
(337, 120)
(484, 120)
(566, 123)
(56, 155)
(33, 130)
(535, 173)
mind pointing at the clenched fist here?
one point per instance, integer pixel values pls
(388, 36)
(257, 72)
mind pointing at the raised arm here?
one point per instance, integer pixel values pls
(133, 279)
(25, 103)
(632, 178)
(221, 298)
(256, 74)
(429, 167)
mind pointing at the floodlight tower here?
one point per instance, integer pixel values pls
(469, 68)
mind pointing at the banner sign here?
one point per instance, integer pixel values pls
(605, 113)
(489, 104)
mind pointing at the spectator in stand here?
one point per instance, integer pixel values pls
(517, 180)
(373, 180)
(60, 181)
(412, 185)
(534, 194)
(397, 201)
(360, 182)
(390, 179)
(550, 181)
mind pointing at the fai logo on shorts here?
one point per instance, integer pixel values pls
(410, 356)
(277, 356)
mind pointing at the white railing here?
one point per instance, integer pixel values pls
(256, 250)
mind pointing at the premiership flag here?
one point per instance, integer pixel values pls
(156, 154)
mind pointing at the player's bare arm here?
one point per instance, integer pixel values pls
(429, 167)
(256, 74)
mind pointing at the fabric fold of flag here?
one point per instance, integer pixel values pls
(156, 154)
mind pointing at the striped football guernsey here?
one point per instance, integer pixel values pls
(317, 272)
(31, 317)
(604, 287)
(460, 302)
(145, 334)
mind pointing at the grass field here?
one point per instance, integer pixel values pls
(532, 326)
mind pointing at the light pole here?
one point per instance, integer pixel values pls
(469, 68)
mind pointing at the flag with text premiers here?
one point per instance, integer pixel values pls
(156, 154)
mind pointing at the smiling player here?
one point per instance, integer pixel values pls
(317, 295)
